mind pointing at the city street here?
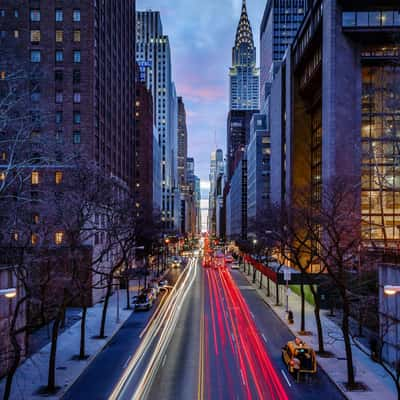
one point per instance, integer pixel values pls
(227, 344)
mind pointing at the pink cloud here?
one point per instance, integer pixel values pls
(202, 93)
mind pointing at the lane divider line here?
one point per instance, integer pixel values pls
(286, 378)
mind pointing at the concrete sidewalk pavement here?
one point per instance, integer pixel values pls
(32, 373)
(380, 384)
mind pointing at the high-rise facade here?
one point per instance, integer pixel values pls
(153, 55)
(244, 75)
(78, 66)
(182, 142)
(280, 23)
(335, 112)
(217, 168)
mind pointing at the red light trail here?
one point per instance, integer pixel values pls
(232, 337)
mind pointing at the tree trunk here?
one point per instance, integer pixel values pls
(105, 307)
(14, 366)
(51, 381)
(254, 274)
(82, 346)
(277, 293)
(261, 280)
(128, 303)
(268, 287)
(317, 310)
(303, 307)
(347, 342)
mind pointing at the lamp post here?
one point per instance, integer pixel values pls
(8, 293)
(254, 252)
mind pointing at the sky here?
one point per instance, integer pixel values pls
(202, 34)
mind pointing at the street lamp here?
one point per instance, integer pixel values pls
(391, 290)
(8, 293)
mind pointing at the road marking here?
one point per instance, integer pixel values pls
(286, 378)
(165, 358)
(127, 362)
(233, 337)
(252, 315)
(263, 336)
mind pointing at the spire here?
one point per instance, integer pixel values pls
(244, 33)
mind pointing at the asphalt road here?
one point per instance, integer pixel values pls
(213, 356)
(99, 379)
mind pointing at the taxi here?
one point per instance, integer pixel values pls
(299, 357)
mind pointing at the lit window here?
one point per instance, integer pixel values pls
(59, 117)
(77, 137)
(59, 237)
(76, 16)
(2, 13)
(2, 176)
(35, 36)
(35, 56)
(16, 13)
(59, 56)
(58, 177)
(77, 35)
(35, 178)
(36, 219)
(15, 236)
(77, 97)
(77, 56)
(16, 34)
(35, 15)
(77, 117)
(59, 97)
(59, 36)
(34, 239)
(59, 15)
(4, 156)
(2, 75)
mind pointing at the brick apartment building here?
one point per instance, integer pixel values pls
(77, 60)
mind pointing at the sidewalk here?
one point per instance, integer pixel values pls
(32, 373)
(368, 372)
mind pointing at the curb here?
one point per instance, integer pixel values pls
(262, 295)
(92, 358)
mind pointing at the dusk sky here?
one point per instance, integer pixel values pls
(202, 33)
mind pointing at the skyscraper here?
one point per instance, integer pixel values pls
(217, 168)
(153, 55)
(244, 75)
(279, 26)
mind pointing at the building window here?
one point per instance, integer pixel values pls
(76, 76)
(77, 137)
(35, 36)
(77, 56)
(58, 76)
(4, 156)
(15, 236)
(16, 13)
(35, 56)
(16, 34)
(35, 219)
(77, 36)
(77, 117)
(2, 176)
(2, 13)
(59, 237)
(35, 178)
(77, 97)
(35, 15)
(76, 16)
(59, 117)
(59, 36)
(58, 177)
(59, 56)
(34, 239)
(59, 15)
(59, 97)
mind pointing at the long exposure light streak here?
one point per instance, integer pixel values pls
(232, 319)
(156, 337)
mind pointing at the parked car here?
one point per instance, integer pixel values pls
(144, 302)
(163, 283)
(235, 265)
(150, 292)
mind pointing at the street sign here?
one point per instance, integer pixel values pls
(287, 275)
